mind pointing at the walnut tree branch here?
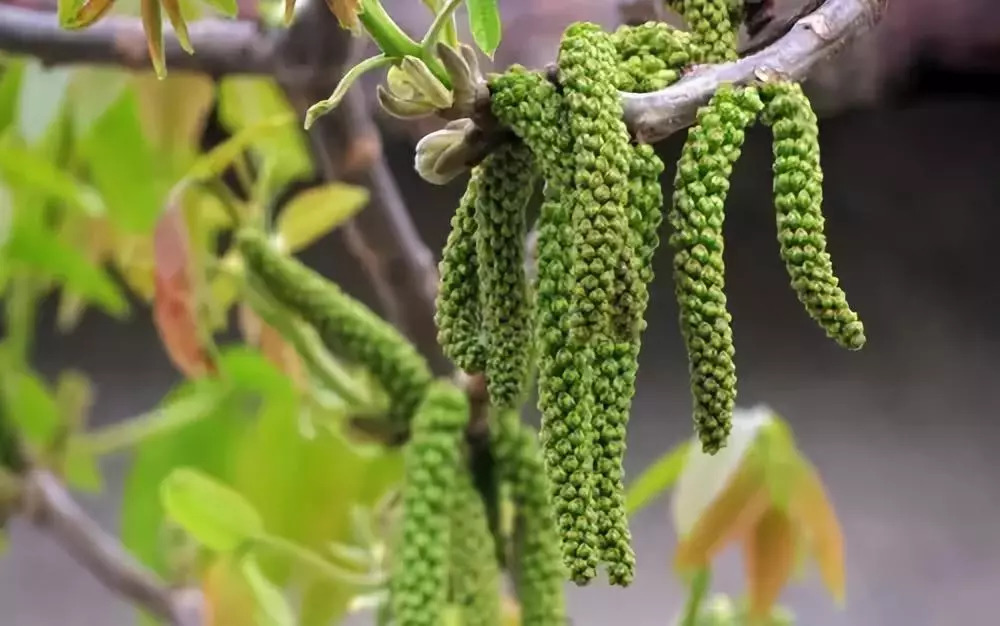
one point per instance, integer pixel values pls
(221, 46)
(50, 507)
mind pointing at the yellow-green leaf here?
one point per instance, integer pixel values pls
(80, 468)
(21, 167)
(811, 508)
(768, 558)
(73, 14)
(216, 515)
(659, 476)
(314, 212)
(153, 25)
(222, 156)
(41, 100)
(227, 7)
(31, 406)
(484, 23)
(272, 607)
(173, 9)
(93, 90)
(174, 112)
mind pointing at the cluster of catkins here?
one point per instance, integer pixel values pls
(447, 552)
(579, 323)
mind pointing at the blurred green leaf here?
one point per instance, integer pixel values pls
(273, 608)
(249, 370)
(220, 158)
(75, 396)
(173, 113)
(31, 406)
(93, 90)
(659, 476)
(22, 167)
(42, 252)
(484, 23)
(783, 465)
(244, 102)
(206, 443)
(81, 469)
(41, 99)
(227, 7)
(11, 71)
(212, 512)
(124, 167)
(314, 212)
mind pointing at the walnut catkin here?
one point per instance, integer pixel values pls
(798, 201)
(475, 573)
(701, 186)
(350, 329)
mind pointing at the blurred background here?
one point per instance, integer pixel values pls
(904, 432)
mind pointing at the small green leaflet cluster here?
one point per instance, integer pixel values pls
(597, 235)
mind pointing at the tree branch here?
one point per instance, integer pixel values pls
(47, 504)
(221, 46)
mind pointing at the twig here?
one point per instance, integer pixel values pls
(654, 116)
(221, 46)
(50, 507)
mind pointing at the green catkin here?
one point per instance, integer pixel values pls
(606, 312)
(537, 569)
(702, 184)
(530, 105)
(651, 56)
(712, 27)
(433, 463)
(457, 311)
(798, 200)
(505, 299)
(475, 574)
(346, 326)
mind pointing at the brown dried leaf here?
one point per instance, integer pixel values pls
(769, 559)
(175, 301)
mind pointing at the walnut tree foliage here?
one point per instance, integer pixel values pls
(256, 478)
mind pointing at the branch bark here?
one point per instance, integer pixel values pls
(221, 46)
(48, 505)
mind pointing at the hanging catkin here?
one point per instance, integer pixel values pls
(536, 566)
(697, 215)
(798, 200)
(531, 106)
(346, 326)
(505, 300)
(651, 56)
(475, 574)
(457, 313)
(433, 462)
(713, 29)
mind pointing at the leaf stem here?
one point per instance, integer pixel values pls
(443, 21)
(696, 596)
(296, 552)
(394, 42)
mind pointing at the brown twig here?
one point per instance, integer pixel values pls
(50, 507)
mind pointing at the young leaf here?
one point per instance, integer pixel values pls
(314, 212)
(41, 100)
(31, 406)
(73, 16)
(173, 113)
(273, 608)
(346, 12)
(484, 23)
(93, 90)
(42, 251)
(658, 477)
(215, 162)
(81, 470)
(175, 304)
(768, 558)
(229, 601)
(812, 509)
(216, 515)
(152, 23)
(173, 9)
(19, 166)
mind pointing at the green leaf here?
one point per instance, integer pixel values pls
(213, 513)
(273, 608)
(205, 439)
(659, 476)
(41, 100)
(32, 407)
(93, 90)
(484, 23)
(215, 162)
(245, 102)
(11, 71)
(42, 252)
(21, 167)
(226, 7)
(124, 167)
(81, 469)
(314, 212)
